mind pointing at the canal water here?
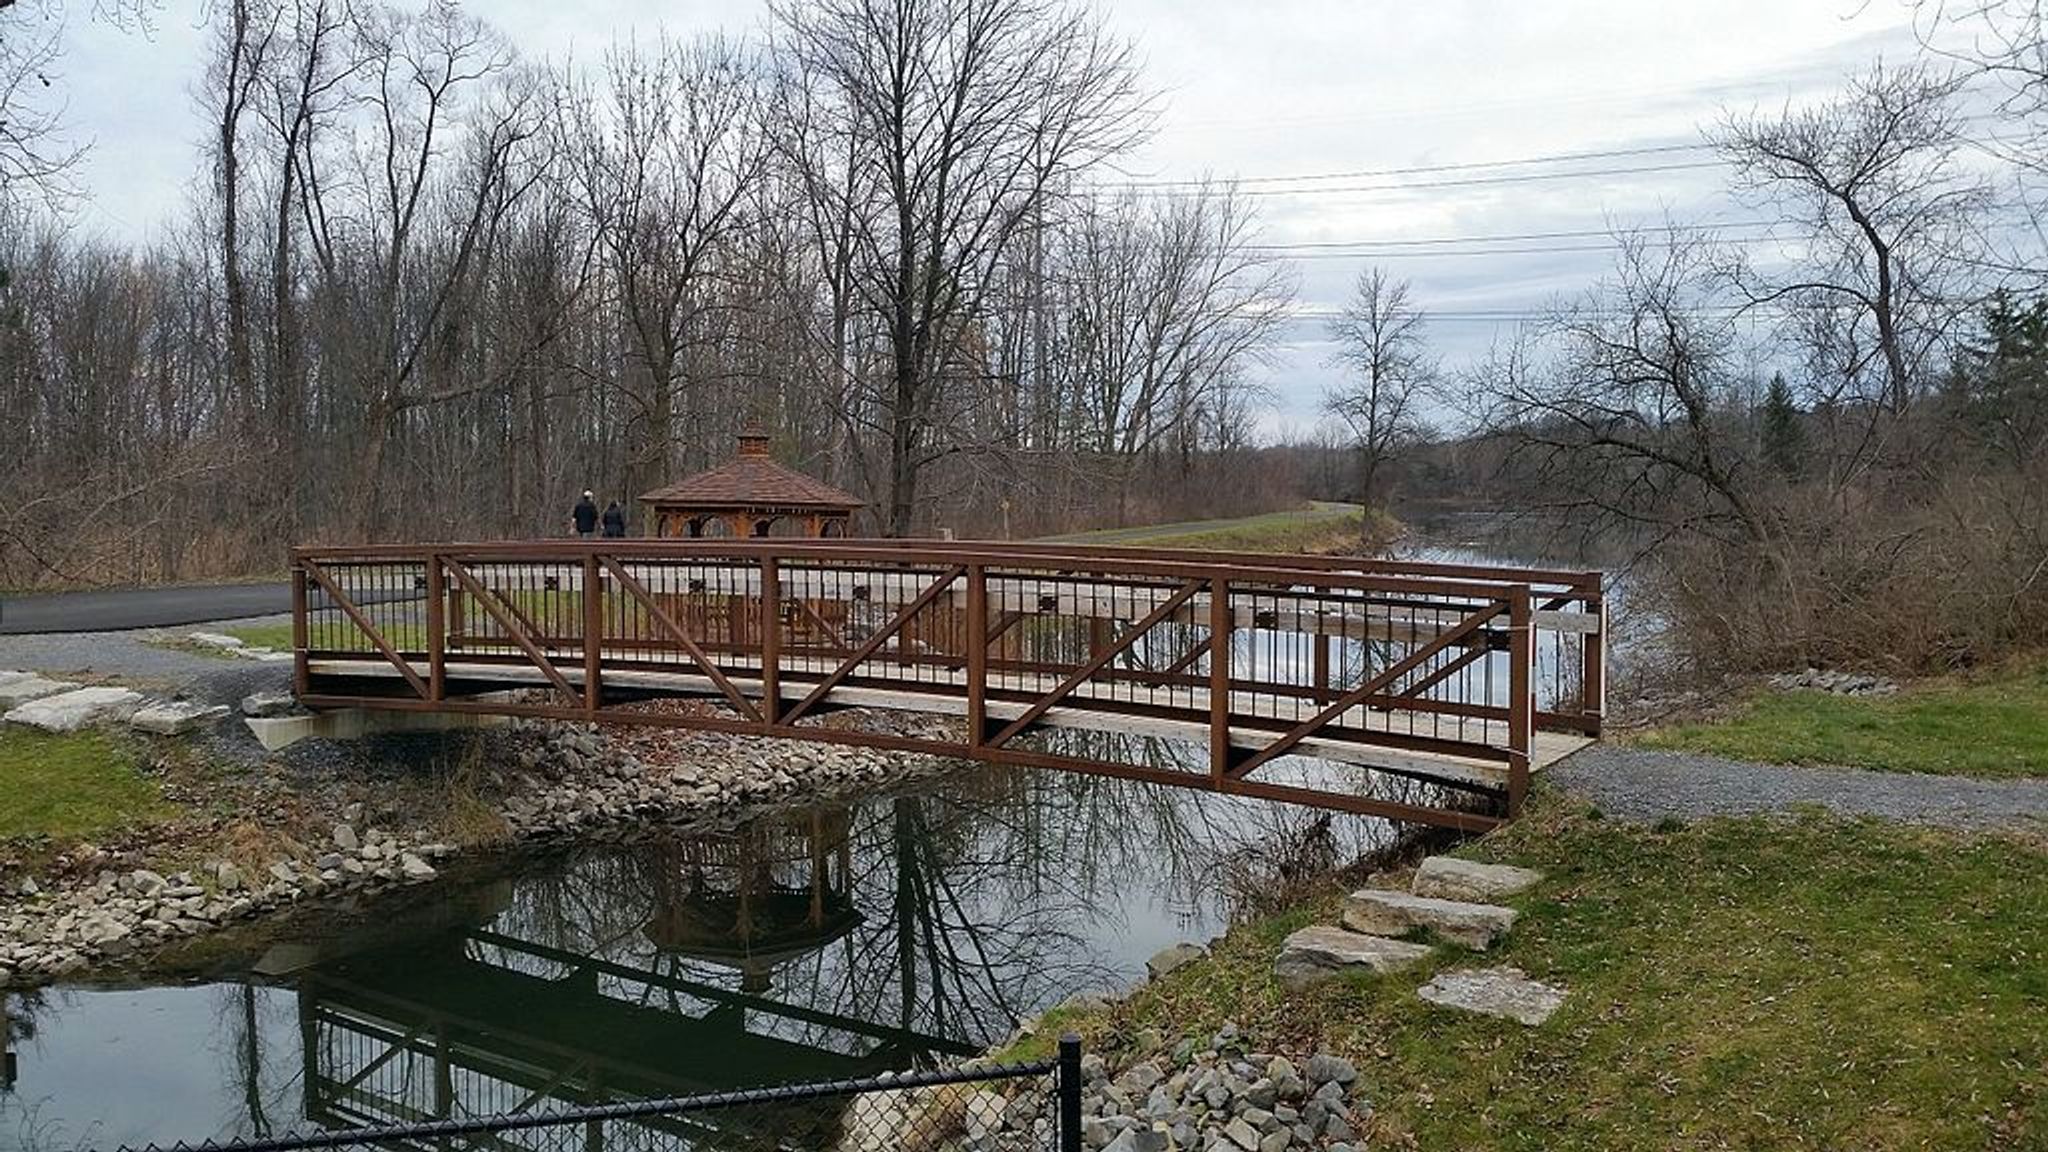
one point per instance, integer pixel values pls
(809, 944)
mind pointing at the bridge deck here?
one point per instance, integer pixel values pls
(1465, 679)
(1548, 746)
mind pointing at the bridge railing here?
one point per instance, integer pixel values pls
(1430, 668)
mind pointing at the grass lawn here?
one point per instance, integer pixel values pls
(71, 787)
(1991, 727)
(1733, 984)
(277, 637)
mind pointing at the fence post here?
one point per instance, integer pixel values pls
(593, 633)
(1220, 624)
(437, 629)
(302, 680)
(976, 627)
(1070, 1093)
(771, 640)
(1521, 695)
(1593, 675)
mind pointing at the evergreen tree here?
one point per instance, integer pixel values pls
(1784, 437)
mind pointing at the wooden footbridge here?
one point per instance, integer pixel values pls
(1437, 689)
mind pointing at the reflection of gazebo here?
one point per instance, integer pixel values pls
(758, 897)
(751, 495)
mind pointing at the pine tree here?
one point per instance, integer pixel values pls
(1784, 437)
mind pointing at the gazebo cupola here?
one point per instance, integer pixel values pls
(751, 495)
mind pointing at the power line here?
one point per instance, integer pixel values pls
(1528, 250)
(1478, 181)
(1501, 237)
(1541, 311)
(1469, 165)
(1423, 169)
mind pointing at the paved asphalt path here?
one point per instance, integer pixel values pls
(122, 609)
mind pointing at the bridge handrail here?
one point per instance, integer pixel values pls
(1248, 567)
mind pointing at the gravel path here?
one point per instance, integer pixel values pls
(1635, 784)
(132, 659)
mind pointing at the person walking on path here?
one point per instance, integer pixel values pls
(584, 517)
(614, 520)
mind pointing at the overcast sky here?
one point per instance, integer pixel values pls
(1254, 90)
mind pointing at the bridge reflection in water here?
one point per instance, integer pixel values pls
(498, 1019)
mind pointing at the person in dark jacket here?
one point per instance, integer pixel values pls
(614, 519)
(585, 516)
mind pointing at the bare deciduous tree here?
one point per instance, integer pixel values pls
(666, 160)
(1887, 220)
(1163, 303)
(1388, 374)
(961, 119)
(35, 155)
(1641, 421)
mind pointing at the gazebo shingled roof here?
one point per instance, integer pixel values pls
(753, 480)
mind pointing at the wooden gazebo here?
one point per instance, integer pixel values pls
(751, 495)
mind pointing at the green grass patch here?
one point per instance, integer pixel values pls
(1321, 527)
(73, 786)
(273, 636)
(1995, 727)
(1754, 983)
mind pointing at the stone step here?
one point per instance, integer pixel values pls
(70, 711)
(1381, 913)
(1504, 992)
(176, 717)
(1449, 878)
(22, 687)
(1322, 951)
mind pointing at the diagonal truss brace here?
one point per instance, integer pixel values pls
(1367, 690)
(1101, 660)
(514, 631)
(681, 636)
(368, 629)
(873, 644)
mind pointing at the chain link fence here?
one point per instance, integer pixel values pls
(1027, 1107)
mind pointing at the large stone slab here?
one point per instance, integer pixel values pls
(22, 687)
(219, 640)
(1171, 957)
(176, 717)
(1399, 913)
(70, 711)
(1321, 951)
(1449, 878)
(264, 705)
(1504, 992)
